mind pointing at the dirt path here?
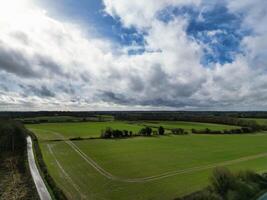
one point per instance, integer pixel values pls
(39, 183)
(108, 175)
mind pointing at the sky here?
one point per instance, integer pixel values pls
(133, 55)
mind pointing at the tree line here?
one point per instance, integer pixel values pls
(15, 178)
(109, 133)
(242, 130)
(116, 133)
(12, 136)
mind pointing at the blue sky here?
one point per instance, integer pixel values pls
(212, 24)
(91, 13)
(136, 55)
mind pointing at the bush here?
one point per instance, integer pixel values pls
(178, 131)
(147, 131)
(222, 181)
(110, 133)
(161, 130)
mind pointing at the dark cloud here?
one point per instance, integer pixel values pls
(68, 89)
(109, 96)
(49, 65)
(136, 83)
(42, 91)
(16, 62)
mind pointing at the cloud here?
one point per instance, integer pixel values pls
(14, 61)
(47, 63)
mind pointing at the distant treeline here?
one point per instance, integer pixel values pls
(166, 115)
(242, 130)
(225, 185)
(252, 126)
(123, 114)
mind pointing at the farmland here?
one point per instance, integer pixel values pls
(158, 167)
(93, 129)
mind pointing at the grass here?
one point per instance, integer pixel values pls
(189, 125)
(79, 129)
(93, 129)
(143, 157)
(260, 121)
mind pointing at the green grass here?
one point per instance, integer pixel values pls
(93, 129)
(189, 125)
(260, 121)
(81, 129)
(143, 157)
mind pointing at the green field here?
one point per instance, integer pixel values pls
(189, 125)
(260, 121)
(79, 129)
(162, 167)
(93, 129)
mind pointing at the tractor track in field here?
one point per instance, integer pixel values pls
(66, 175)
(110, 176)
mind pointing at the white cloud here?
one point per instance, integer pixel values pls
(46, 63)
(141, 13)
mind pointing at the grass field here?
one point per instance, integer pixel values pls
(93, 129)
(144, 167)
(189, 125)
(260, 121)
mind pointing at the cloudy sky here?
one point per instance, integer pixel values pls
(133, 55)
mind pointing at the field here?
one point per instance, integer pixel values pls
(162, 167)
(93, 129)
(260, 121)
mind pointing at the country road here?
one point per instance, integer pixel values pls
(39, 183)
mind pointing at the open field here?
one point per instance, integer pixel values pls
(187, 126)
(79, 129)
(162, 167)
(260, 121)
(93, 129)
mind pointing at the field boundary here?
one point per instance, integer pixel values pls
(110, 176)
(54, 190)
(37, 178)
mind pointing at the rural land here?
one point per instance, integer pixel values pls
(133, 99)
(136, 155)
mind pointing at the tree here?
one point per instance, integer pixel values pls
(161, 130)
(147, 131)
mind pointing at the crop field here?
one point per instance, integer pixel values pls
(160, 167)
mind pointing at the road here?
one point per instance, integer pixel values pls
(39, 183)
(263, 197)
